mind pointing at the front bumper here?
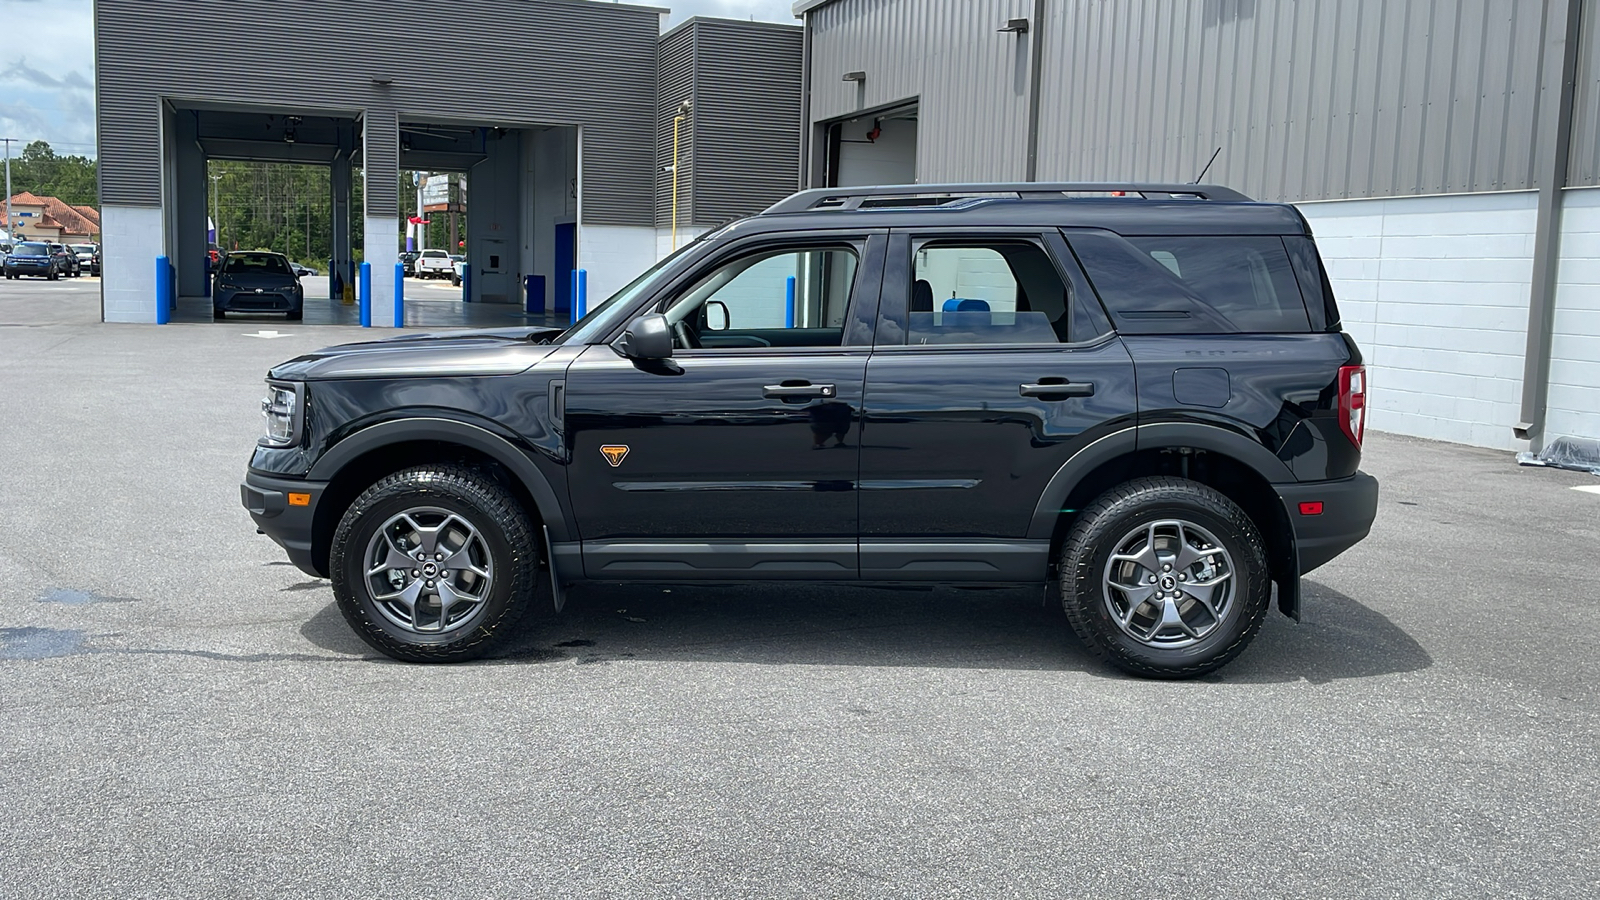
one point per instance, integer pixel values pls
(1348, 507)
(290, 525)
(250, 301)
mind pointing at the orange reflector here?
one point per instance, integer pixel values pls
(1309, 508)
(305, 500)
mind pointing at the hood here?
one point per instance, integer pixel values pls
(487, 351)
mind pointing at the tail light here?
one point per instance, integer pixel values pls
(1353, 402)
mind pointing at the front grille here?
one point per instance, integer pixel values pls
(254, 301)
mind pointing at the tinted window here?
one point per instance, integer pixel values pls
(256, 265)
(1194, 284)
(29, 248)
(1313, 278)
(1001, 292)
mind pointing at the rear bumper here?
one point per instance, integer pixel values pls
(290, 526)
(1348, 507)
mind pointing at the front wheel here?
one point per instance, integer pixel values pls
(1165, 578)
(434, 564)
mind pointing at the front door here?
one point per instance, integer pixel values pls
(994, 365)
(737, 457)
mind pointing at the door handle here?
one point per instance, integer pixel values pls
(1056, 389)
(798, 391)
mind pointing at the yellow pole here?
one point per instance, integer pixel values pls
(675, 122)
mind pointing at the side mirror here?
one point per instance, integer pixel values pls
(649, 337)
(717, 318)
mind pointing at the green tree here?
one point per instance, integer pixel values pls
(40, 171)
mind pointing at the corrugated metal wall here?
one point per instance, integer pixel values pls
(739, 151)
(560, 62)
(972, 80)
(1308, 99)
(1583, 168)
(675, 83)
(747, 107)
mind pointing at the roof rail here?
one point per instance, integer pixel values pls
(933, 194)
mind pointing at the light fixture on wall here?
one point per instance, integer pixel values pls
(857, 77)
(1015, 26)
(383, 80)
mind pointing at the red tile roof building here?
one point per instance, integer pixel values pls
(49, 219)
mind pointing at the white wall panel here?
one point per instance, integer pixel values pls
(1435, 290)
(1574, 404)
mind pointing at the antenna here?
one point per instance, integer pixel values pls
(1207, 168)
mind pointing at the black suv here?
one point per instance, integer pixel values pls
(1138, 395)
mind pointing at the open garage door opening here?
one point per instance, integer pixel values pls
(873, 148)
(308, 188)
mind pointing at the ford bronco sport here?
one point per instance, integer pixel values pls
(1138, 395)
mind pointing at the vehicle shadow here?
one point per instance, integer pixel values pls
(940, 628)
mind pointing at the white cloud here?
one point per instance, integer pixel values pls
(48, 82)
(760, 10)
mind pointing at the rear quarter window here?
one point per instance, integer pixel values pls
(1194, 284)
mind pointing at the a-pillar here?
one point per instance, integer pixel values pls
(380, 165)
(189, 202)
(343, 261)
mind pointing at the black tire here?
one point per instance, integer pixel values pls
(218, 315)
(508, 538)
(52, 276)
(295, 315)
(1115, 518)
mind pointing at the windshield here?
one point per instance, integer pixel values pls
(256, 265)
(83, 248)
(602, 318)
(29, 248)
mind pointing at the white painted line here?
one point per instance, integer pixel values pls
(270, 334)
(1588, 488)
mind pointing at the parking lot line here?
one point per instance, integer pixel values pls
(1587, 488)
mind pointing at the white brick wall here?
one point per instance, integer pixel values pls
(614, 255)
(1574, 405)
(1435, 290)
(130, 240)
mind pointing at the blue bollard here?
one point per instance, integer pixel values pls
(163, 290)
(366, 295)
(788, 303)
(466, 284)
(399, 295)
(581, 298)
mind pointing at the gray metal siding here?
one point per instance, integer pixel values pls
(747, 114)
(675, 84)
(1308, 99)
(517, 62)
(972, 80)
(1584, 164)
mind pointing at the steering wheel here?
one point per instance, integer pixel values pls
(687, 339)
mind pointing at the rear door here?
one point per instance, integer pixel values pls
(737, 457)
(993, 365)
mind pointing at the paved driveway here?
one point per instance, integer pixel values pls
(182, 714)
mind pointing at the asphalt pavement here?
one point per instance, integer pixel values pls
(183, 714)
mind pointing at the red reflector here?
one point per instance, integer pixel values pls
(1311, 508)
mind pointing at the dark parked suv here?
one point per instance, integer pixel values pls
(1138, 396)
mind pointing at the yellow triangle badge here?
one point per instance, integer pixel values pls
(615, 453)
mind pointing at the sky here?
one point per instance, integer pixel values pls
(47, 81)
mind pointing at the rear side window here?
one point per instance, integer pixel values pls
(1207, 284)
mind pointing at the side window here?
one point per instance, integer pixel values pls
(987, 292)
(795, 297)
(1194, 284)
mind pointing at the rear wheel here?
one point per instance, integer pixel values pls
(434, 564)
(1165, 578)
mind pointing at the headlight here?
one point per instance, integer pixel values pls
(283, 410)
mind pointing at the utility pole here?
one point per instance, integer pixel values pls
(216, 218)
(11, 228)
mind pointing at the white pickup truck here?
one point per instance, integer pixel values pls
(434, 264)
